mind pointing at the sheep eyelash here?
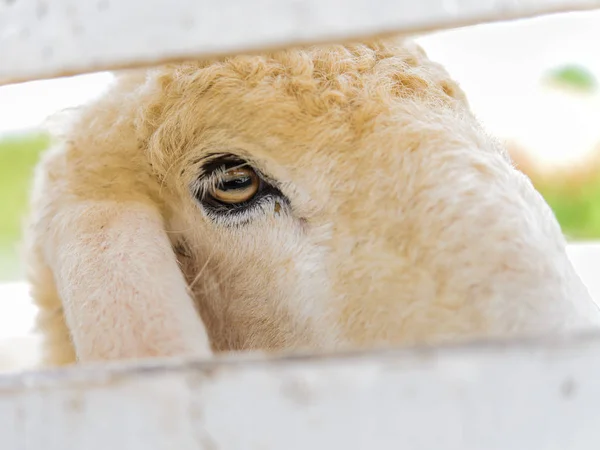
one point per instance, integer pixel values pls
(210, 181)
(210, 176)
(240, 216)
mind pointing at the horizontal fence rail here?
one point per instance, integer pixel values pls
(48, 38)
(526, 395)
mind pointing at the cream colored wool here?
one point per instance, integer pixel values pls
(400, 220)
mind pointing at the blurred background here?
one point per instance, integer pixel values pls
(533, 83)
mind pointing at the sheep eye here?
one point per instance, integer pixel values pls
(230, 188)
(236, 185)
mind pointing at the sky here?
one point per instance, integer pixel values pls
(25, 106)
(500, 67)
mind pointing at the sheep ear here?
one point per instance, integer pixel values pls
(97, 231)
(122, 292)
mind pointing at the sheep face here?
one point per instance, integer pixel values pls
(345, 196)
(331, 197)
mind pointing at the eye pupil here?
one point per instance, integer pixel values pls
(236, 185)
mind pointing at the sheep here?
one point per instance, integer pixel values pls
(321, 198)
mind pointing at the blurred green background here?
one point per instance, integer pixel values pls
(576, 203)
(18, 155)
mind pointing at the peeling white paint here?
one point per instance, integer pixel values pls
(541, 395)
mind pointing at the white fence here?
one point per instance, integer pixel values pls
(526, 395)
(43, 38)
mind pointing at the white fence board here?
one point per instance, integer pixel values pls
(46, 38)
(535, 394)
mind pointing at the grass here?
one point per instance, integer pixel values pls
(573, 194)
(575, 202)
(572, 76)
(18, 155)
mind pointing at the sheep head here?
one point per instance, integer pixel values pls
(317, 198)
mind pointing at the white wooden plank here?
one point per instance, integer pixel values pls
(45, 38)
(536, 394)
